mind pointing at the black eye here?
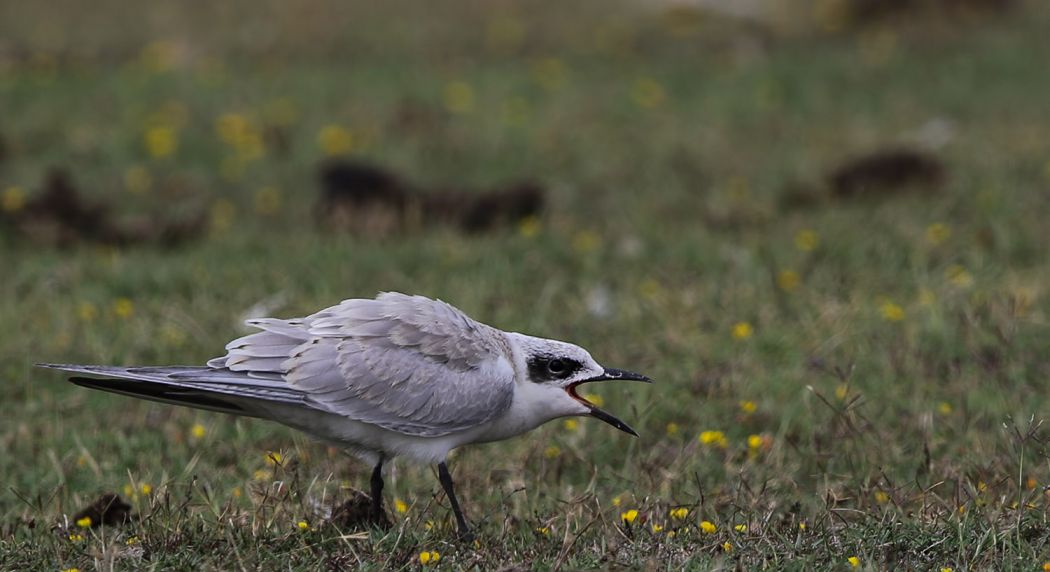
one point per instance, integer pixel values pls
(558, 368)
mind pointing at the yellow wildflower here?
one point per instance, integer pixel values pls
(76, 537)
(672, 428)
(853, 561)
(742, 331)
(146, 488)
(945, 569)
(727, 546)
(237, 492)
(937, 233)
(552, 452)
(714, 438)
(802, 526)
(198, 431)
(1046, 566)
(944, 408)
(616, 501)
(707, 527)
(1031, 483)
(400, 506)
(881, 497)
(123, 308)
(529, 226)
(982, 486)
(84, 522)
(841, 391)
(594, 398)
(748, 407)
(429, 557)
(571, 424)
(71, 570)
(740, 528)
(274, 458)
(231, 128)
(788, 280)
(160, 141)
(755, 442)
(132, 541)
(12, 199)
(544, 530)
(657, 528)
(335, 140)
(303, 525)
(807, 240)
(459, 97)
(679, 513)
(958, 276)
(891, 312)
(628, 517)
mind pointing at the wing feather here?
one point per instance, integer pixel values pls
(406, 363)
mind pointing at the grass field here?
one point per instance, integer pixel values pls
(849, 384)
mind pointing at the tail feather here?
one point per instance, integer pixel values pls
(199, 387)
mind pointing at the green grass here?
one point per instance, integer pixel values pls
(911, 444)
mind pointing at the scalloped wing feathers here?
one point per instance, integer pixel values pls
(406, 363)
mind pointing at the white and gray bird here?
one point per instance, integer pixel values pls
(397, 376)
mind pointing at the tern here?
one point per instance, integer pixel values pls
(395, 376)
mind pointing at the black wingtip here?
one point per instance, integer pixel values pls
(161, 393)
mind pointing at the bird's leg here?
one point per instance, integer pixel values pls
(446, 483)
(377, 492)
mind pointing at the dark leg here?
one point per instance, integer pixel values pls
(377, 492)
(446, 483)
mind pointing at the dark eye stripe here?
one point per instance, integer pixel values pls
(540, 368)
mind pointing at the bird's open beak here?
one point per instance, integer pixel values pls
(610, 374)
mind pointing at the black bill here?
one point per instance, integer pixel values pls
(610, 374)
(612, 420)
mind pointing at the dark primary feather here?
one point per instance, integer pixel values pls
(200, 387)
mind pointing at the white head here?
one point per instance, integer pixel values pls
(550, 372)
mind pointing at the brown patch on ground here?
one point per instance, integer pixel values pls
(374, 202)
(58, 215)
(356, 514)
(887, 171)
(109, 509)
(867, 12)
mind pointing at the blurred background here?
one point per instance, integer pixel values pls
(819, 224)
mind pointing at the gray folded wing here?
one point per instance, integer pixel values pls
(406, 363)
